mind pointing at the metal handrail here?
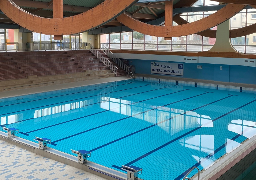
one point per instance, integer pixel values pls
(190, 172)
(104, 60)
(118, 61)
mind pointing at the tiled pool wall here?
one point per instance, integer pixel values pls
(240, 170)
(198, 84)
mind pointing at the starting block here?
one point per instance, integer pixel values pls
(82, 155)
(11, 131)
(43, 142)
(132, 172)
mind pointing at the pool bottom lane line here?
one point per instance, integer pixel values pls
(78, 92)
(156, 123)
(54, 142)
(68, 101)
(182, 136)
(27, 133)
(210, 155)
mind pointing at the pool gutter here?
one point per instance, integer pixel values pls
(227, 161)
(68, 159)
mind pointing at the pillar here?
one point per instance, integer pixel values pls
(222, 43)
(94, 40)
(58, 13)
(18, 39)
(168, 15)
(24, 40)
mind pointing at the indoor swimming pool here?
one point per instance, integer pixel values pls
(164, 127)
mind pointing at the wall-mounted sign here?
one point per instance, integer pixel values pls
(174, 69)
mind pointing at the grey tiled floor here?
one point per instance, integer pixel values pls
(18, 163)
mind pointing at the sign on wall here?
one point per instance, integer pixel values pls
(174, 69)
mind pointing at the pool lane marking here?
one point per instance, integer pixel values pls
(212, 154)
(64, 94)
(69, 101)
(177, 138)
(161, 121)
(72, 100)
(153, 125)
(54, 142)
(26, 133)
(207, 157)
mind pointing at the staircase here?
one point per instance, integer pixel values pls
(116, 65)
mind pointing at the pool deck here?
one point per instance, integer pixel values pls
(19, 163)
(54, 87)
(196, 80)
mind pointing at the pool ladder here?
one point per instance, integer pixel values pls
(190, 172)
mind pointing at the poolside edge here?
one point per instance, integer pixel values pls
(226, 162)
(70, 160)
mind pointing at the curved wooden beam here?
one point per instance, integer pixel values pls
(104, 12)
(176, 31)
(212, 33)
(207, 33)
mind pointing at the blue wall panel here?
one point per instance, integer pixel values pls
(229, 73)
(221, 75)
(243, 74)
(191, 71)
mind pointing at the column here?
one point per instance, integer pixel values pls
(58, 13)
(222, 43)
(91, 39)
(24, 40)
(168, 15)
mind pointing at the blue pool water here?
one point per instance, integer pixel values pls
(164, 129)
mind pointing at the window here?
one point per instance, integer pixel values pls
(194, 42)
(254, 38)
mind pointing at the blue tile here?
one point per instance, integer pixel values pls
(30, 177)
(42, 170)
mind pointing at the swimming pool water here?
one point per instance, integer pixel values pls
(164, 129)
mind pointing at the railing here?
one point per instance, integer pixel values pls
(10, 46)
(104, 60)
(190, 172)
(44, 46)
(128, 69)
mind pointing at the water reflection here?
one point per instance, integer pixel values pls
(64, 108)
(11, 119)
(243, 127)
(212, 140)
(174, 122)
(170, 120)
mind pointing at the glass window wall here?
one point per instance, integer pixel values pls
(194, 42)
